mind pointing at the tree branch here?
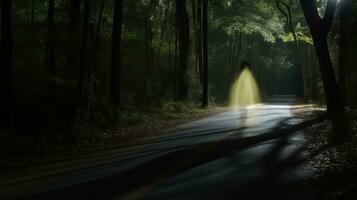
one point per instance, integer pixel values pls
(289, 19)
(283, 12)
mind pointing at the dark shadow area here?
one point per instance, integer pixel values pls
(166, 166)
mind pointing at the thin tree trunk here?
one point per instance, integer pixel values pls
(148, 63)
(5, 63)
(165, 22)
(184, 48)
(149, 50)
(51, 54)
(74, 36)
(199, 58)
(315, 74)
(205, 52)
(75, 14)
(194, 25)
(176, 57)
(31, 31)
(230, 56)
(115, 92)
(231, 59)
(239, 50)
(345, 12)
(194, 10)
(169, 59)
(83, 50)
(100, 19)
(92, 67)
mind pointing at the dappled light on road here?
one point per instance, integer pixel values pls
(245, 90)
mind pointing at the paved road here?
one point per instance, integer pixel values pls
(250, 153)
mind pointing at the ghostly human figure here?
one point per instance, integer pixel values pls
(245, 90)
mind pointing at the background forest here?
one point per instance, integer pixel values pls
(80, 76)
(70, 63)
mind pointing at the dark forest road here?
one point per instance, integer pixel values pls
(253, 153)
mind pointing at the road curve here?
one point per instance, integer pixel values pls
(251, 153)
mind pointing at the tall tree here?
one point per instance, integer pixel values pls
(116, 53)
(319, 28)
(51, 56)
(74, 35)
(345, 13)
(84, 49)
(184, 47)
(100, 19)
(149, 50)
(75, 13)
(198, 31)
(205, 52)
(5, 62)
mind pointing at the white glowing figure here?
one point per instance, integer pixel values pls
(245, 90)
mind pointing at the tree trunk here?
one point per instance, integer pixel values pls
(51, 55)
(176, 57)
(5, 63)
(184, 48)
(232, 50)
(92, 67)
(319, 30)
(205, 52)
(115, 92)
(195, 18)
(74, 37)
(235, 52)
(194, 10)
(100, 19)
(239, 49)
(199, 59)
(314, 75)
(345, 12)
(148, 58)
(83, 50)
(149, 50)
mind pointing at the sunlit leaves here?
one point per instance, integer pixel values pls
(251, 17)
(302, 34)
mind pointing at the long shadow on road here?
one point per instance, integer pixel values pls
(138, 181)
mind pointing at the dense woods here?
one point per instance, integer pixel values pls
(67, 61)
(109, 76)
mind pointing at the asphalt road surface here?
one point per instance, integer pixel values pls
(252, 153)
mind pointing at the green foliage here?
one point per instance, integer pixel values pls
(302, 34)
(251, 17)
